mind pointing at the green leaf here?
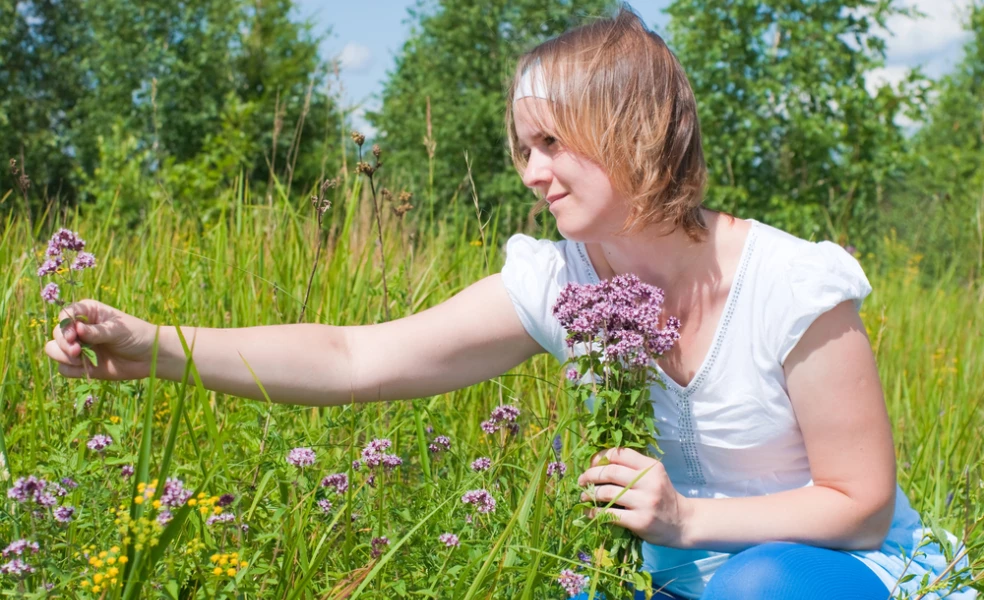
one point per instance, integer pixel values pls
(91, 355)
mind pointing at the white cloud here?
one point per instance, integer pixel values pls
(355, 58)
(933, 41)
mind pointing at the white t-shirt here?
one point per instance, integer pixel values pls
(732, 431)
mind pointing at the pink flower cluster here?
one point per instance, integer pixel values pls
(481, 464)
(60, 242)
(482, 500)
(99, 442)
(558, 468)
(339, 482)
(502, 416)
(374, 456)
(40, 491)
(175, 495)
(301, 457)
(441, 443)
(17, 567)
(622, 314)
(573, 583)
(220, 519)
(379, 544)
(449, 539)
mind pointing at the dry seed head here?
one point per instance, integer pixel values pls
(376, 151)
(405, 196)
(386, 194)
(358, 138)
(328, 184)
(364, 167)
(402, 209)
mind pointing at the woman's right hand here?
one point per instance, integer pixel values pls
(123, 344)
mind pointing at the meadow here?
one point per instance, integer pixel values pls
(258, 519)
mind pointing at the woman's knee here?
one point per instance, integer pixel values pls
(785, 570)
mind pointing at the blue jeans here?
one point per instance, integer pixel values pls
(788, 571)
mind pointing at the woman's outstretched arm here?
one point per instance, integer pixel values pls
(469, 338)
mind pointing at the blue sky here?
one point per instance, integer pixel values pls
(367, 36)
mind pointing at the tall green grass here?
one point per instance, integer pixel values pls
(249, 266)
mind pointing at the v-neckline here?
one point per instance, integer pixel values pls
(684, 391)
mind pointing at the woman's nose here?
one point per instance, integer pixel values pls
(537, 170)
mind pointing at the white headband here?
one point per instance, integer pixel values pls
(532, 83)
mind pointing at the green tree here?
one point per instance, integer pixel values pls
(460, 56)
(162, 83)
(791, 135)
(939, 211)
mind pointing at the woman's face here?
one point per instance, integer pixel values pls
(580, 195)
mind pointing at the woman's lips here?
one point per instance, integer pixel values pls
(552, 199)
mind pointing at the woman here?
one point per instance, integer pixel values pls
(778, 478)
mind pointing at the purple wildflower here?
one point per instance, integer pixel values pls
(621, 313)
(57, 489)
(378, 545)
(556, 468)
(449, 539)
(481, 464)
(174, 494)
(65, 239)
(572, 582)
(19, 547)
(26, 489)
(69, 483)
(99, 442)
(244, 527)
(584, 557)
(64, 514)
(16, 568)
(502, 416)
(557, 445)
(481, 500)
(572, 375)
(83, 260)
(126, 471)
(440, 444)
(392, 461)
(225, 500)
(164, 517)
(50, 293)
(220, 519)
(338, 481)
(45, 499)
(301, 457)
(89, 401)
(325, 505)
(50, 266)
(356, 465)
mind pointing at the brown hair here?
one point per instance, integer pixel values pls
(623, 101)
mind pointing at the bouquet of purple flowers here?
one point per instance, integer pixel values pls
(617, 323)
(615, 333)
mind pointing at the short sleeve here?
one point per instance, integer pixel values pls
(534, 273)
(819, 276)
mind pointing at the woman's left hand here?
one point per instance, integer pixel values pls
(652, 508)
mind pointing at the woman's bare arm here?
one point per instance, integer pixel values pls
(473, 336)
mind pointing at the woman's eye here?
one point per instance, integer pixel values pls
(549, 141)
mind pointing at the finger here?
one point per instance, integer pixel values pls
(614, 494)
(69, 345)
(57, 353)
(624, 456)
(71, 371)
(617, 474)
(629, 519)
(94, 333)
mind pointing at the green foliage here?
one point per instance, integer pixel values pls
(791, 136)
(460, 55)
(206, 88)
(938, 210)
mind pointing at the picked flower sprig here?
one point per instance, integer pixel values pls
(616, 333)
(57, 262)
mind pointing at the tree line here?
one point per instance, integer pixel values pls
(118, 102)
